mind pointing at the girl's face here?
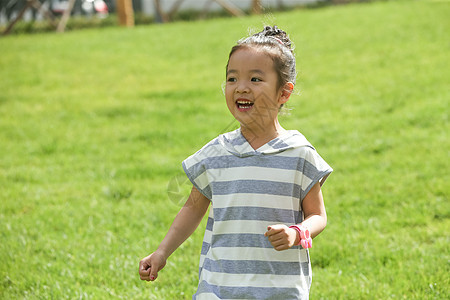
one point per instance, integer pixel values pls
(251, 88)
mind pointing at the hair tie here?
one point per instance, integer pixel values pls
(278, 40)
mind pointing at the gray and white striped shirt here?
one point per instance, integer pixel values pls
(250, 189)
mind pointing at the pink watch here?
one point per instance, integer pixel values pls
(305, 237)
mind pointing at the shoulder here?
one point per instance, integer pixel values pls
(305, 150)
(213, 148)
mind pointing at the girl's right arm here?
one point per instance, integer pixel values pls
(184, 224)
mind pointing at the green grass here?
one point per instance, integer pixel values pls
(94, 124)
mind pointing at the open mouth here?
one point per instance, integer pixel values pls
(244, 105)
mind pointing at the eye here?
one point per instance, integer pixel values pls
(231, 79)
(256, 79)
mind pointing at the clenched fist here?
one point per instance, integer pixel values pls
(151, 265)
(281, 236)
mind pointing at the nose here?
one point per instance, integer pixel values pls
(242, 87)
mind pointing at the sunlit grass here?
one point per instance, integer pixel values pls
(95, 123)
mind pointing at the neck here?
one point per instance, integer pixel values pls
(257, 136)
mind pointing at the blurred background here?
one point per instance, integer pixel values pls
(91, 13)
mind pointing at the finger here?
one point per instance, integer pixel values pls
(281, 235)
(143, 271)
(271, 230)
(144, 274)
(145, 277)
(281, 247)
(278, 242)
(154, 272)
(153, 276)
(272, 238)
(143, 266)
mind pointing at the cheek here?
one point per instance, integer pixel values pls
(267, 97)
(229, 97)
(228, 93)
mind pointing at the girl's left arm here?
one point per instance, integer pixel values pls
(314, 211)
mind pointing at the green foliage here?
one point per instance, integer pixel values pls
(94, 125)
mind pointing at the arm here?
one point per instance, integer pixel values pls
(282, 237)
(314, 211)
(184, 224)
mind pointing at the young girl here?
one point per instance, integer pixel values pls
(263, 182)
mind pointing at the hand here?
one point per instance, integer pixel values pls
(151, 265)
(281, 237)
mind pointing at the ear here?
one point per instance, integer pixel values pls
(286, 92)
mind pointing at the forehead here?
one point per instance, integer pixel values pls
(251, 59)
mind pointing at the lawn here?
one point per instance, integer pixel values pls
(94, 125)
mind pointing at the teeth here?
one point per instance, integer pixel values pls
(242, 102)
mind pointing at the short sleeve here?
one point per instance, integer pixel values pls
(195, 168)
(314, 169)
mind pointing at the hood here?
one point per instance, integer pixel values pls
(235, 143)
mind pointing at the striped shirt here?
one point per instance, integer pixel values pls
(250, 190)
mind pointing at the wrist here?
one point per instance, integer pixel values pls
(297, 236)
(162, 252)
(303, 236)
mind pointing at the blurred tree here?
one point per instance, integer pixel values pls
(256, 7)
(125, 13)
(160, 16)
(65, 17)
(38, 7)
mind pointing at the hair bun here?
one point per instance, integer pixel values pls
(277, 33)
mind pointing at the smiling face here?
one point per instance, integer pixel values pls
(251, 90)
